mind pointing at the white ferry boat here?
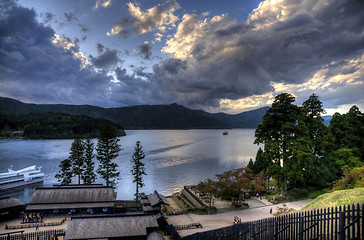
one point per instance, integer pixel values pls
(26, 176)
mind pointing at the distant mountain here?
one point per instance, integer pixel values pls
(171, 116)
(249, 119)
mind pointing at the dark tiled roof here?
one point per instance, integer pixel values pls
(110, 226)
(10, 202)
(72, 195)
(69, 206)
(156, 199)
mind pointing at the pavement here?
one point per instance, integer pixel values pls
(258, 209)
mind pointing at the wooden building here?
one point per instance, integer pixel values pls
(73, 199)
(112, 227)
(10, 208)
(153, 202)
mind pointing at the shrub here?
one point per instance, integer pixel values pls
(352, 179)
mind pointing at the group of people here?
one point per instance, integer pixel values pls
(237, 220)
(31, 217)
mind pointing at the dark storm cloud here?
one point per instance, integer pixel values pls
(214, 58)
(33, 69)
(133, 90)
(236, 60)
(145, 50)
(106, 59)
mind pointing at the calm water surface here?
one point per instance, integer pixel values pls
(174, 158)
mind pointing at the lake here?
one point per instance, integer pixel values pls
(174, 158)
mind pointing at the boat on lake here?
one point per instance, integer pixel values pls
(26, 176)
(225, 133)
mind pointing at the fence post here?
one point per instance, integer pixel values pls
(276, 229)
(342, 225)
(301, 229)
(253, 231)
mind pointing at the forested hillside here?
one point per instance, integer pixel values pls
(51, 126)
(172, 116)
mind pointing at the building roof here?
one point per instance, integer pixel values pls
(156, 198)
(72, 195)
(69, 206)
(62, 197)
(9, 202)
(110, 226)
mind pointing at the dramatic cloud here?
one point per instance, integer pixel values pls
(71, 46)
(158, 18)
(212, 62)
(33, 68)
(284, 42)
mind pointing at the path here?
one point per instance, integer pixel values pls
(209, 222)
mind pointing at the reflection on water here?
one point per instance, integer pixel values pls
(174, 158)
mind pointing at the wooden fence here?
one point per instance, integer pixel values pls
(333, 223)
(33, 225)
(41, 235)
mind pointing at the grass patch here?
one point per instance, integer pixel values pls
(296, 194)
(337, 198)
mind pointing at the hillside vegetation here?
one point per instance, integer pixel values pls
(51, 126)
(337, 198)
(172, 116)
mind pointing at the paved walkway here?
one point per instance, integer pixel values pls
(259, 209)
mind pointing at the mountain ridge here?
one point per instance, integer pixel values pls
(172, 116)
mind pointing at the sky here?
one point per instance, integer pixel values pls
(219, 56)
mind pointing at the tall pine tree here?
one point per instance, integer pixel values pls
(107, 150)
(65, 173)
(77, 158)
(138, 168)
(89, 175)
(276, 132)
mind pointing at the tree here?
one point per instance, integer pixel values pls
(77, 158)
(232, 183)
(89, 175)
(138, 169)
(345, 145)
(261, 163)
(208, 187)
(250, 165)
(277, 132)
(107, 150)
(312, 109)
(65, 173)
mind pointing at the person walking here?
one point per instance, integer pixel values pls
(36, 226)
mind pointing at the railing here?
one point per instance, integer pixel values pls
(193, 196)
(41, 235)
(33, 225)
(332, 223)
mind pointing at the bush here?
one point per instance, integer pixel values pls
(352, 179)
(298, 193)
